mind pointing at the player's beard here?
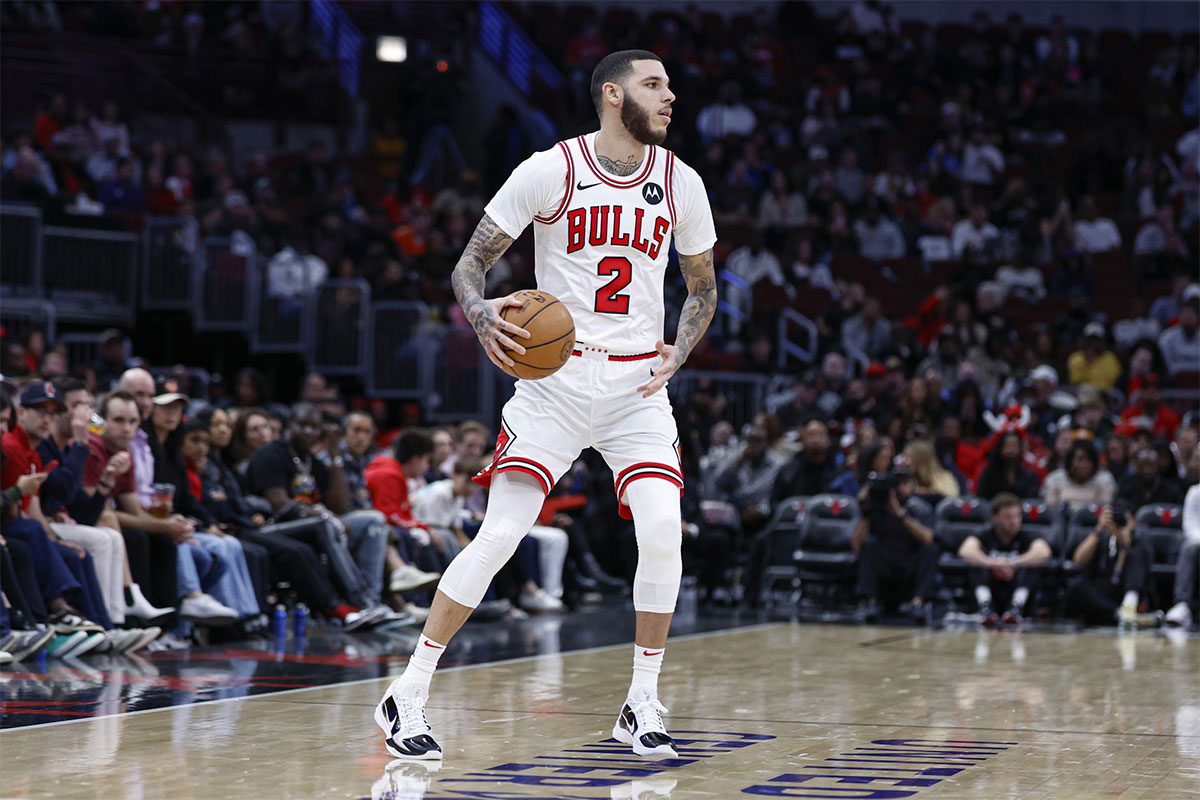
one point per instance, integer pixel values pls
(636, 119)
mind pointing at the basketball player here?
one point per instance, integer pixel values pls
(606, 206)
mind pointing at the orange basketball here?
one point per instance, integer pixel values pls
(551, 335)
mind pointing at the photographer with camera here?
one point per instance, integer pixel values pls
(1003, 557)
(1116, 568)
(894, 539)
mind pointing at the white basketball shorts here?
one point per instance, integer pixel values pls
(592, 401)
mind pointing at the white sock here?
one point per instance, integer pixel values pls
(1131, 599)
(983, 596)
(647, 662)
(1019, 597)
(423, 662)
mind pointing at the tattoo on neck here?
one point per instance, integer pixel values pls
(619, 167)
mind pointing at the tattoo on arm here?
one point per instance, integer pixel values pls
(701, 304)
(487, 244)
(625, 167)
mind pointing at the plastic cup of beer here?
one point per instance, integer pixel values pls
(97, 425)
(163, 500)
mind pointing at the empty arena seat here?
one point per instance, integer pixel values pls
(1162, 525)
(1046, 521)
(956, 518)
(783, 543)
(825, 557)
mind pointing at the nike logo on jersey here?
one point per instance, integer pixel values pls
(581, 187)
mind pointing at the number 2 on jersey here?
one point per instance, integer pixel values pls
(607, 299)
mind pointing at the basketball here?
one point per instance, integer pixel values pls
(551, 335)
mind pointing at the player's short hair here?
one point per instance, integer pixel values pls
(615, 68)
(1004, 500)
(469, 466)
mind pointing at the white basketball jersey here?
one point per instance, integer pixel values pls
(601, 242)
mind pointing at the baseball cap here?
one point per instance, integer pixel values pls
(876, 370)
(1094, 329)
(167, 391)
(40, 392)
(1045, 372)
(108, 334)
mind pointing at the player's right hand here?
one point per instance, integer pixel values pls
(494, 333)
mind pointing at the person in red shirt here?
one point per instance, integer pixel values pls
(1164, 418)
(388, 474)
(50, 121)
(61, 567)
(387, 479)
(36, 416)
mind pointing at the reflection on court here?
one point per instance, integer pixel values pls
(778, 711)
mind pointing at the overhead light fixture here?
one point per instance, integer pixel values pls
(393, 49)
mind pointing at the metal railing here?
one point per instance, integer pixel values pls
(403, 348)
(21, 251)
(90, 275)
(168, 260)
(786, 348)
(280, 321)
(744, 394)
(464, 381)
(339, 337)
(505, 41)
(221, 285)
(38, 313)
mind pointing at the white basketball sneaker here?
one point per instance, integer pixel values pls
(401, 717)
(640, 724)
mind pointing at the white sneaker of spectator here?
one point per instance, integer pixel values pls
(410, 579)
(1180, 614)
(205, 609)
(418, 613)
(357, 619)
(539, 600)
(142, 608)
(89, 644)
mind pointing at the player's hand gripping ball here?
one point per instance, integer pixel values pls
(551, 335)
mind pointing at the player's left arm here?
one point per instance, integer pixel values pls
(697, 313)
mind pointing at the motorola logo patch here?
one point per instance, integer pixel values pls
(652, 193)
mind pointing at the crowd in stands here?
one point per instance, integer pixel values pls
(992, 226)
(223, 512)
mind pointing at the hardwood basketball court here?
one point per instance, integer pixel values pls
(776, 710)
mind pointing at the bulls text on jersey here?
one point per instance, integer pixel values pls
(611, 225)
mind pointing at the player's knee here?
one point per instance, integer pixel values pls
(499, 541)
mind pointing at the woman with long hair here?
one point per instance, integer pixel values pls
(933, 481)
(251, 431)
(916, 407)
(1006, 470)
